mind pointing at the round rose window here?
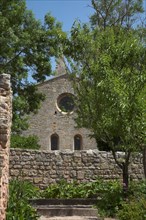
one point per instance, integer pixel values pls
(65, 102)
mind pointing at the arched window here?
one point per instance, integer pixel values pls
(77, 142)
(54, 142)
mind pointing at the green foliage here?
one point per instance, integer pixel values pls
(111, 195)
(111, 201)
(111, 68)
(30, 142)
(134, 206)
(63, 189)
(137, 189)
(26, 48)
(108, 193)
(108, 56)
(115, 13)
(18, 207)
(109, 86)
(133, 209)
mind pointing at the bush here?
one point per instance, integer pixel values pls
(110, 197)
(137, 188)
(18, 207)
(133, 209)
(109, 194)
(30, 142)
(63, 189)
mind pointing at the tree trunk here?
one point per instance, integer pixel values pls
(144, 161)
(124, 166)
(125, 177)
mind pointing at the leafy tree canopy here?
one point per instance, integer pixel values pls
(116, 13)
(111, 85)
(109, 58)
(26, 47)
(110, 61)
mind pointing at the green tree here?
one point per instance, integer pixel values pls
(116, 13)
(108, 56)
(126, 13)
(26, 48)
(111, 70)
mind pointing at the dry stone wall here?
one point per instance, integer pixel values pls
(44, 167)
(5, 126)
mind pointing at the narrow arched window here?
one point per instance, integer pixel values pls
(77, 142)
(54, 142)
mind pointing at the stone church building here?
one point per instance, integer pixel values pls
(54, 123)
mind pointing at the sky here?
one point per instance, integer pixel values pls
(65, 11)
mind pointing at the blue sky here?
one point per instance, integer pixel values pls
(65, 11)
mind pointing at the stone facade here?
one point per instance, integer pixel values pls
(51, 122)
(5, 126)
(43, 167)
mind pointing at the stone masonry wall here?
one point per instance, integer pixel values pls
(5, 127)
(45, 167)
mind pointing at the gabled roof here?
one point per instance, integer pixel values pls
(66, 75)
(61, 71)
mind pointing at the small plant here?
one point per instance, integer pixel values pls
(137, 188)
(133, 209)
(18, 206)
(30, 142)
(63, 189)
(110, 195)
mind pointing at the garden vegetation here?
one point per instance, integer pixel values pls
(111, 200)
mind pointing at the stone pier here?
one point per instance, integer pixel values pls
(5, 129)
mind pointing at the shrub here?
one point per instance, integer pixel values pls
(109, 194)
(63, 189)
(133, 209)
(137, 188)
(18, 207)
(30, 142)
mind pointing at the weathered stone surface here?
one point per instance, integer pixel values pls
(45, 167)
(5, 126)
(50, 120)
